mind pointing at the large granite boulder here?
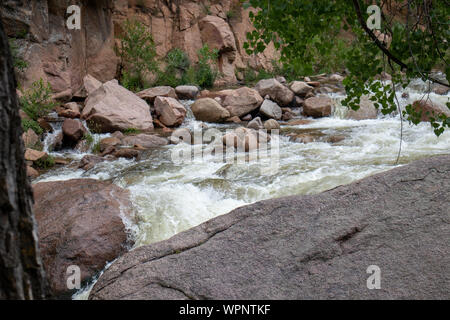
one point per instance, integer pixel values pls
(271, 110)
(318, 107)
(209, 110)
(301, 88)
(429, 109)
(161, 91)
(73, 130)
(307, 247)
(187, 92)
(241, 101)
(276, 91)
(112, 107)
(170, 112)
(367, 110)
(80, 222)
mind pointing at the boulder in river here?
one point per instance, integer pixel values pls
(112, 107)
(428, 109)
(187, 92)
(109, 142)
(276, 91)
(80, 222)
(32, 173)
(34, 155)
(89, 161)
(241, 101)
(73, 130)
(271, 124)
(366, 110)
(317, 107)
(306, 247)
(271, 110)
(126, 153)
(152, 93)
(171, 112)
(255, 124)
(209, 110)
(301, 88)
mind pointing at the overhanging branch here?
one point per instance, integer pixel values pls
(380, 45)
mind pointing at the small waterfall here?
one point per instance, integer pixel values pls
(50, 137)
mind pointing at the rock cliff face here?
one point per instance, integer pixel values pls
(63, 57)
(307, 247)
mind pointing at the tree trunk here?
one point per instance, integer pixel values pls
(21, 272)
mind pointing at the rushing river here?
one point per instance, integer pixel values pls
(170, 197)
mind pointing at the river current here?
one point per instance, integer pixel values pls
(169, 198)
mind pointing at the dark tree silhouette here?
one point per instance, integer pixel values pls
(21, 272)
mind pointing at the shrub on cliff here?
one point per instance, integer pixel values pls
(36, 102)
(177, 64)
(137, 52)
(179, 70)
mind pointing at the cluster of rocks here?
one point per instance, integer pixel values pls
(109, 108)
(271, 100)
(122, 146)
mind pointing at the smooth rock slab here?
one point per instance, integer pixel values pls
(307, 247)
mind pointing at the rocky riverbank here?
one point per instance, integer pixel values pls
(146, 120)
(306, 247)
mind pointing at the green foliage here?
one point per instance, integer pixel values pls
(33, 125)
(252, 76)
(45, 163)
(88, 138)
(37, 101)
(131, 131)
(19, 63)
(177, 64)
(206, 73)
(308, 35)
(179, 70)
(138, 55)
(177, 59)
(230, 15)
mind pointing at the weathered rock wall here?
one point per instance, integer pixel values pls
(63, 57)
